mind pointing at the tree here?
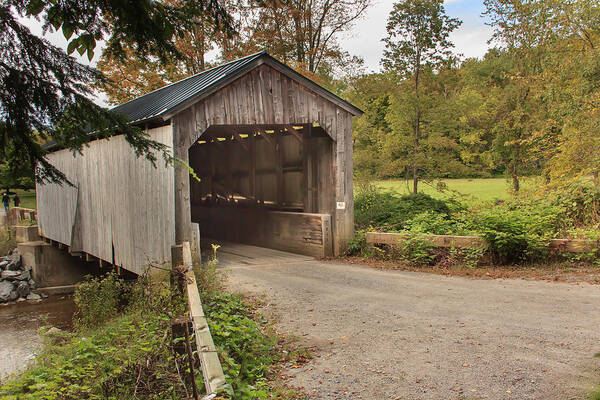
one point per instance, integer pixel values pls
(43, 91)
(303, 33)
(550, 98)
(130, 75)
(417, 44)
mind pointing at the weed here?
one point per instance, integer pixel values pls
(98, 299)
(469, 257)
(7, 242)
(417, 250)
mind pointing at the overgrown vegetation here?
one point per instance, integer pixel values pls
(515, 231)
(7, 241)
(121, 347)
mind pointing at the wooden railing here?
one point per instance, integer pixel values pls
(566, 245)
(212, 371)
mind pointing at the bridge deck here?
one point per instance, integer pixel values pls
(235, 254)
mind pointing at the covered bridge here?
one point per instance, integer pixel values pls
(272, 151)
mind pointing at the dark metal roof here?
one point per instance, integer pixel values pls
(163, 103)
(160, 101)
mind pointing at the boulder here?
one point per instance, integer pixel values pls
(6, 288)
(4, 263)
(23, 289)
(13, 294)
(11, 275)
(14, 266)
(14, 261)
(34, 296)
(32, 284)
(23, 276)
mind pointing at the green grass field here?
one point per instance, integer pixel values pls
(27, 198)
(479, 189)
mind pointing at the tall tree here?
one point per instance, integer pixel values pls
(43, 91)
(417, 44)
(300, 32)
(130, 75)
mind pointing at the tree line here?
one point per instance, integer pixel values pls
(528, 107)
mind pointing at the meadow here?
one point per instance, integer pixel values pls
(470, 190)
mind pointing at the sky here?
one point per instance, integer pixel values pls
(470, 39)
(364, 39)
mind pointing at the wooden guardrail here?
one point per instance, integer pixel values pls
(212, 372)
(566, 245)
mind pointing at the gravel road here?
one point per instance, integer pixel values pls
(407, 335)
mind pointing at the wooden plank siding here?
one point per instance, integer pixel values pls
(117, 200)
(266, 96)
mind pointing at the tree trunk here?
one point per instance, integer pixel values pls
(417, 128)
(515, 181)
(595, 178)
(416, 152)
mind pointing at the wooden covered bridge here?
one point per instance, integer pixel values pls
(272, 151)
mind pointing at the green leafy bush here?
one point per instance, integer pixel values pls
(98, 299)
(469, 257)
(513, 235)
(435, 224)
(579, 204)
(373, 208)
(417, 250)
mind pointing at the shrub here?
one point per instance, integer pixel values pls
(417, 250)
(209, 277)
(374, 208)
(435, 224)
(469, 257)
(579, 203)
(513, 235)
(98, 299)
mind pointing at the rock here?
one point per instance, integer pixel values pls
(53, 331)
(23, 289)
(44, 295)
(13, 295)
(6, 288)
(14, 261)
(23, 276)
(32, 284)
(11, 275)
(13, 266)
(4, 263)
(34, 296)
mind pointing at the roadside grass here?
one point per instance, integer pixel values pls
(547, 271)
(596, 395)
(472, 190)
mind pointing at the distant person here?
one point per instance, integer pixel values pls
(6, 201)
(17, 200)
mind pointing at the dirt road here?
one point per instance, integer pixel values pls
(405, 335)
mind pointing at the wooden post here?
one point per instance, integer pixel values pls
(183, 215)
(252, 171)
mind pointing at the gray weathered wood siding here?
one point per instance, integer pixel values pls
(267, 96)
(119, 201)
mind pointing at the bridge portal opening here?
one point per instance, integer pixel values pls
(265, 185)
